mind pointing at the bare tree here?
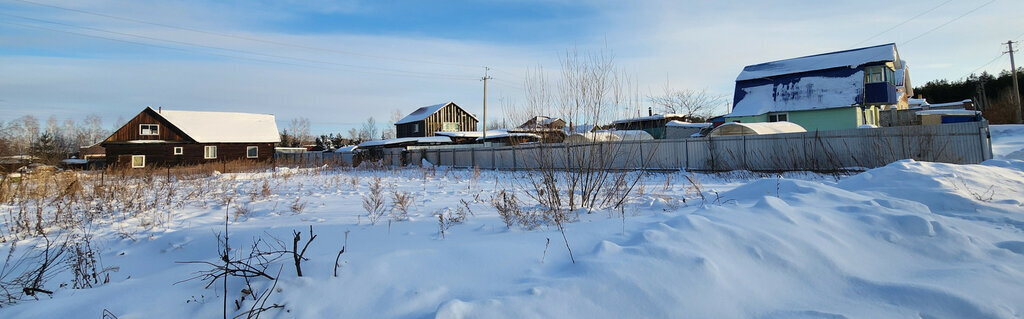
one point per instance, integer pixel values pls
(353, 135)
(393, 117)
(369, 130)
(300, 129)
(696, 105)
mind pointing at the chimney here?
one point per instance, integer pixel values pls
(159, 109)
(650, 111)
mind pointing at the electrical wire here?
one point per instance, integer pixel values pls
(948, 22)
(279, 43)
(901, 23)
(210, 53)
(382, 70)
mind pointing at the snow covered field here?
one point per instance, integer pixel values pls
(908, 240)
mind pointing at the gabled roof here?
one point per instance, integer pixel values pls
(424, 112)
(849, 58)
(223, 127)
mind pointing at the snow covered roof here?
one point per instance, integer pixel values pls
(602, 136)
(633, 135)
(730, 129)
(346, 149)
(424, 112)
(506, 134)
(956, 112)
(849, 58)
(224, 127)
(470, 134)
(687, 124)
(947, 104)
(404, 140)
(648, 118)
(806, 93)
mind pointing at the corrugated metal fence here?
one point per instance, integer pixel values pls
(959, 143)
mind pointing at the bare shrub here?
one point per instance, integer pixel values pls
(510, 209)
(401, 201)
(298, 205)
(373, 201)
(446, 218)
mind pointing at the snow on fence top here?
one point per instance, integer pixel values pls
(729, 129)
(224, 127)
(848, 58)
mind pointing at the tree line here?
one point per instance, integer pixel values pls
(52, 142)
(992, 94)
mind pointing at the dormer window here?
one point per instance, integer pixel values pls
(149, 129)
(878, 73)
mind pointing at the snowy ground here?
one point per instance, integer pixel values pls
(909, 240)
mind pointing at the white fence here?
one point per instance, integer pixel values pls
(959, 143)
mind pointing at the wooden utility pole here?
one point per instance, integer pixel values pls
(1016, 89)
(485, 78)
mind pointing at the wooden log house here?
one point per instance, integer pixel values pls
(425, 121)
(166, 137)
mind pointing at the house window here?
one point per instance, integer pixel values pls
(416, 128)
(252, 152)
(874, 74)
(780, 117)
(178, 150)
(209, 152)
(138, 161)
(450, 127)
(149, 129)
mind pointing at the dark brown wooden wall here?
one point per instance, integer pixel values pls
(405, 130)
(162, 154)
(130, 131)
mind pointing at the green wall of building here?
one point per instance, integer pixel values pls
(822, 120)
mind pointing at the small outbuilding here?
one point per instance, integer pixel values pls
(763, 128)
(680, 129)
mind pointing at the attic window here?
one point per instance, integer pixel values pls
(149, 129)
(416, 128)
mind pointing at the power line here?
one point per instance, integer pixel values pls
(287, 44)
(213, 53)
(987, 63)
(901, 23)
(449, 76)
(948, 22)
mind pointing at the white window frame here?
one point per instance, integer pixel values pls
(254, 148)
(143, 157)
(450, 127)
(151, 130)
(210, 152)
(777, 116)
(178, 150)
(416, 127)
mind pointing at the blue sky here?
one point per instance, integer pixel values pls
(340, 62)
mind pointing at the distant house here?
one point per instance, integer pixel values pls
(165, 137)
(654, 124)
(425, 121)
(838, 90)
(547, 129)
